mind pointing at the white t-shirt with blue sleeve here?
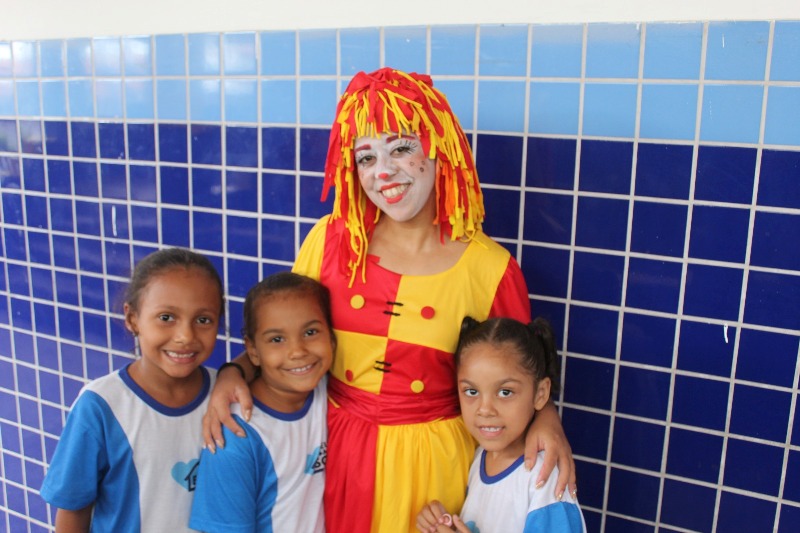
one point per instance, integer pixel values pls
(271, 480)
(131, 456)
(509, 502)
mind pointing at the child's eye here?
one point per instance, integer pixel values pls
(165, 317)
(505, 393)
(205, 320)
(311, 332)
(470, 392)
(275, 339)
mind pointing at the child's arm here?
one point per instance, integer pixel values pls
(230, 387)
(546, 433)
(74, 521)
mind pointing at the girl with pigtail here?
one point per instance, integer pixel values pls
(506, 373)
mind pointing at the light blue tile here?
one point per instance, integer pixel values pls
(204, 98)
(278, 53)
(731, 113)
(109, 98)
(171, 99)
(555, 108)
(736, 50)
(170, 55)
(460, 95)
(239, 53)
(318, 102)
(51, 58)
(453, 50)
(503, 50)
(139, 98)
(609, 109)
(359, 51)
(25, 59)
(556, 51)
(81, 98)
(204, 54)
(279, 101)
(317, 52)
(406, 48)
(783, 116)
(107, 56)
(138, 56)
(28, 98)
(79, 57)
(668, 111)
(501, 106)
(786, 51)
(612, 50)
(54, 100)
(6, 61)
(7, 99)
(241, 100)
(673, 51)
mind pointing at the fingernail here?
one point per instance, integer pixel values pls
(529, 466)
(211, 448)
(574, 493)
(240, 433)
(220, 445)
(560, 496)
(247, 416)
(540, 484)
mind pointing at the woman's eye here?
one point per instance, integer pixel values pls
(364, 160)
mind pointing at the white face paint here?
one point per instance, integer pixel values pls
(396, 174)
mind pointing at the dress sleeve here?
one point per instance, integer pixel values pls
(511, 299)
(309, 258)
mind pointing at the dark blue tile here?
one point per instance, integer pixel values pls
(791, 488)
(553, 312)
(93, 293)
(278, 194)
(206, 144)
(207, 231)
(546, 270)
(587, 432)
(602, 223)
(782, 350)
(241, 191)
(278, 149)
(18, 276)
(242, 233)
(72, 388)
(241, 146)
(588, 383)
(112, 140)
(638, 444)
(88, 218)
(278, 239)
(632, 494)
(33, 175)
(12, 177)
(30, 134)
(773, 300)
(710, 413)
(45, 317)
(765, 479)
(143, 183)
(144, 223)
(606, 166)
(498, 159)
(789, 520)
(719, 233)
(22, 319)
(39, 247)
(713, 292)
(9, 432)
(550, 163)
(67, 288)
(502, 213)
(658, 229)
(206, 187)
(29, 412)
(84, 179)
(48, 358)
(706, 348)
(175, 227)
(141, 142)
(8, 136)
(597, 278)
(69, 324)
(42, 283)
(59, 177)
(118, 258)
(760, 413)
(777, 183)
(15, 244)
(653, 285)
(113, 181)
(64, 251)
(593, 331)
(36, 212)
(688, 506)
(593, 484)
(775, 238)
(26, 381)
(56, 137)
(548, 217)
(83, 139)
(235, 319)
(643, 393)
(32, 449)
(172, 143)
(8, 409)
(174, 185)
(694, 455)
(243, 275)
(725, 174)
(310, 204)
(12, 209)
(12, 469)
(313, 149)
(94, 328)
(97, 362)
(647, 339)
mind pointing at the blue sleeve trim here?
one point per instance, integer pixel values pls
(560, 517)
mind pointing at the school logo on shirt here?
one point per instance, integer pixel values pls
(186, 474)
(315, 462)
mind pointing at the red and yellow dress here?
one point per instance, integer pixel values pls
(395, 437)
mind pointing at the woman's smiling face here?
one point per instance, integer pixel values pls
(396, 174)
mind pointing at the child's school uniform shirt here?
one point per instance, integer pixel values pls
(131, 456)
(509, 502)
(272, 480)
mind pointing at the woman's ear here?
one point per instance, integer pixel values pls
(542, 395)
(130, 319)
(252, 354)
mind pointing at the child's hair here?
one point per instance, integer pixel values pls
(534, 343)
(162, 261)
(284, 282)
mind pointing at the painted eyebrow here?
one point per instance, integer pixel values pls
(394, 138)
(363, 147)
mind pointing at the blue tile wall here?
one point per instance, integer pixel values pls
(644, 175)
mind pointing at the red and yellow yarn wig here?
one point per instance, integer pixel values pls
(391, 101)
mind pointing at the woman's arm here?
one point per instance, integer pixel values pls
(74, 521)
(230, 388)
(546, 433)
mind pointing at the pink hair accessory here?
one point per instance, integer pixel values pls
(447, 519)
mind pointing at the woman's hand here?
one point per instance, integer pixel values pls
(546, 433)
(229, 388)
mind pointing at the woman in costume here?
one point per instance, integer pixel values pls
(405, 259)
